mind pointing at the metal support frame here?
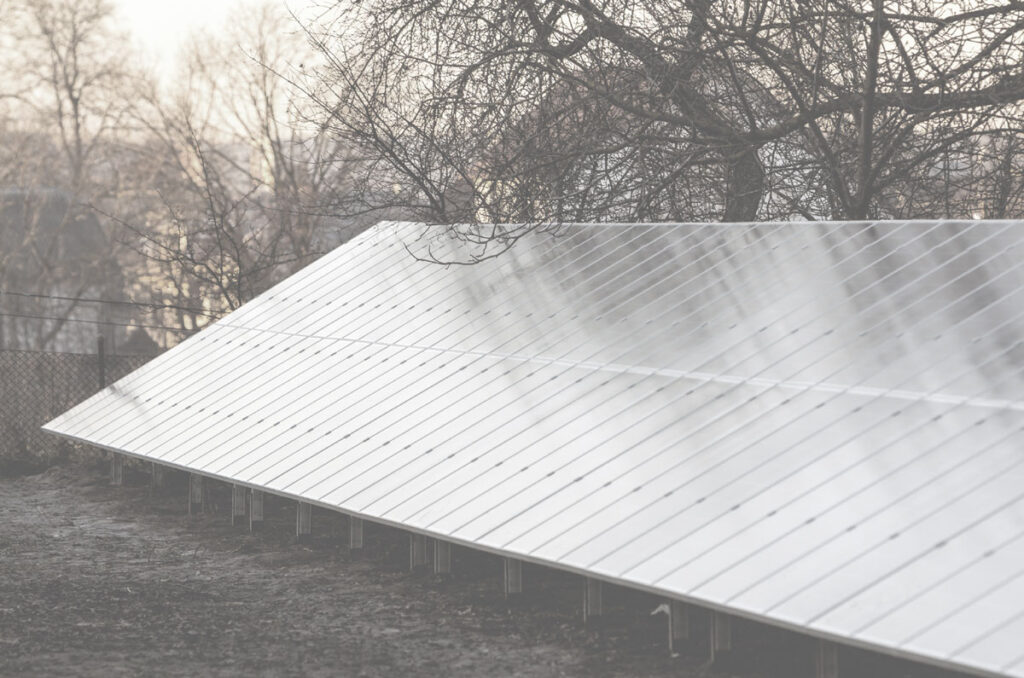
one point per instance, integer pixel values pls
(238, 495)
(826, 660)
(513, 577)
(196, 494)
(417, 551)
(355, 533)
(156, 475)
(678, 625)
(442, 557)
(303, 520)
(593, 600)
(117, 469)
(721, 634)
(255, 510)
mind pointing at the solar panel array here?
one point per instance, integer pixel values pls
(816, 425)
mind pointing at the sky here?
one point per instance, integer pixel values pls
(160, 27)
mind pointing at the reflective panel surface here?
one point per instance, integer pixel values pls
(817, 425)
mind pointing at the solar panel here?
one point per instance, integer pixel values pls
(815, 425)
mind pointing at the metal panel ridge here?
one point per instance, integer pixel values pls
(818, 425)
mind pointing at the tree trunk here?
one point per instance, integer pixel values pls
(865, 190)
(744, 186)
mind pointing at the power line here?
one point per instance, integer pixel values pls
(206, 312)
(93, 322)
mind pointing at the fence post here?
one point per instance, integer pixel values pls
(101, 355)
(116, 461)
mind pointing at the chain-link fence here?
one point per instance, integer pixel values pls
(35, 387)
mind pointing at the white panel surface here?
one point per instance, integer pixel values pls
(816, 425)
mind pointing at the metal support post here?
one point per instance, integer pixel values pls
(513, 577)
(417, 551)
(442, 557)
(826, 660)
(593, 604)
(156, 475)
(678, 625)
(304, 521)
(355, 533)
(195, 494)
(238, 494)
(117, 469)
(721, 635)
(255, 510)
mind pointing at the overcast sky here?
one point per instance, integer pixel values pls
(160, 27)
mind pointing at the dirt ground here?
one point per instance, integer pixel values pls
(102, 581)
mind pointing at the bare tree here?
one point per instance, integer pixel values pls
(465, 105)
(244, 190)
(65, 92)
(880, 97)
(640, 109)
(77, 86)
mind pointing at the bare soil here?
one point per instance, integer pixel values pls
(103, 581)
